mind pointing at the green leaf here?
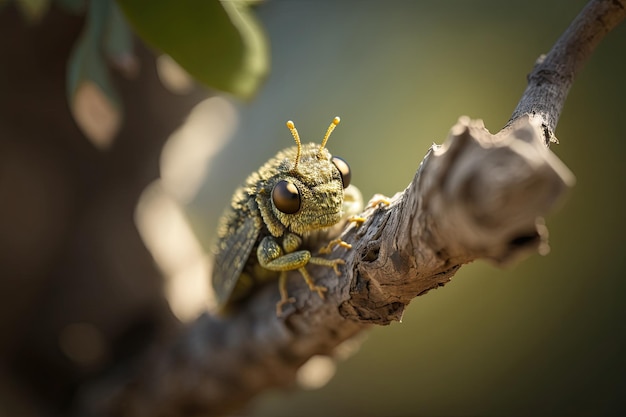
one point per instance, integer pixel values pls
(118, 43)
(95, 104)
(220, 44)
(118, 37)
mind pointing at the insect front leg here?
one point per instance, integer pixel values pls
(272, 256)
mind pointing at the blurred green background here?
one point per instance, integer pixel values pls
(543, 338)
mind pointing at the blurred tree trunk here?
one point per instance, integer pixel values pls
(79, 292)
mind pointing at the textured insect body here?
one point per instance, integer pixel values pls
(297, 195)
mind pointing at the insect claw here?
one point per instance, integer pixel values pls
(281, 303)
(319, 289)
(335, 242)
(336, 266)
(357, 219)
(373, 203)
(379, 199)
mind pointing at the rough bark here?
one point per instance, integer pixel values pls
(478, 195)
(553, 74)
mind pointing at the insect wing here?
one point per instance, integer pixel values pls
(231, 256)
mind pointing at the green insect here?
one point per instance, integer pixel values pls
(282, 212)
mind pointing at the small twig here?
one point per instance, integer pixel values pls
(553, 74)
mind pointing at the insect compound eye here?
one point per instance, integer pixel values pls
(286, 197)
(344, 170)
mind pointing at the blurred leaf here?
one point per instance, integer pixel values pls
(72, 6)
(96, 114)
(33, 10)
(257, 56)
(118, 43)
(220, 44)
(94, 103)
(173, 76)
(118, 38)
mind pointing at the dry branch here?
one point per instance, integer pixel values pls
(553, 75)
(477, 196)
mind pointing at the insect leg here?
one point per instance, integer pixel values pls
(284, 299)
(328, 262)
(373, 203)
(333, 243)
(317, 288)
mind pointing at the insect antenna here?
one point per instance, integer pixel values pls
(332, 126)
(296, 137)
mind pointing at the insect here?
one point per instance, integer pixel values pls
(278, 216)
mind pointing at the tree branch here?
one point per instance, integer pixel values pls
(553, 74)
(477, 196)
